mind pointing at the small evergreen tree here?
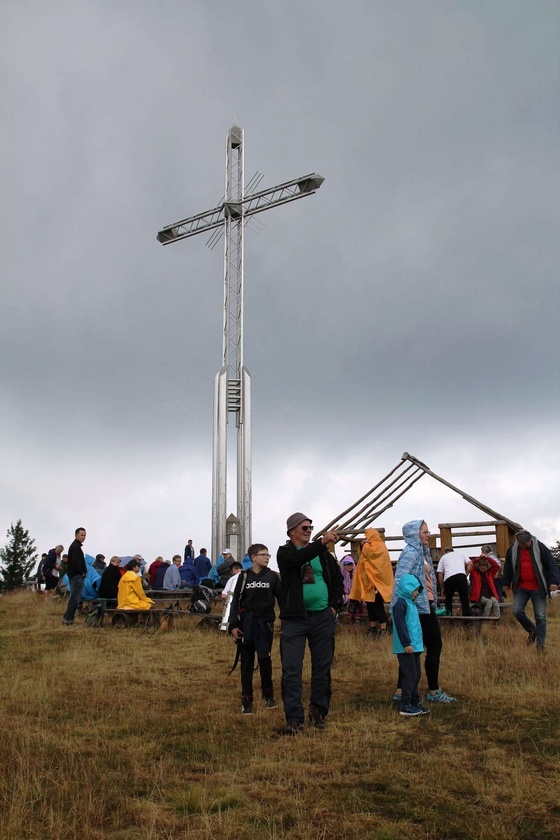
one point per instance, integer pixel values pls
(18, 557)
(555, 549)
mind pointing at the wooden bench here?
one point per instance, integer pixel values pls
(179, 598)
(474, 622)
(126, 618)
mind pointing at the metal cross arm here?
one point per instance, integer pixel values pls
(241, 208)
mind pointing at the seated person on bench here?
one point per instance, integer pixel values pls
(172, 579)
(131, 595)
(110, 579)
(483, 590)
(235, 569)
(188, 573)
(159, 574)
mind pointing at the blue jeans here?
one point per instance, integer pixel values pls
(520, 600)
(76, 586)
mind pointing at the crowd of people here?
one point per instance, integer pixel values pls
(311, 589)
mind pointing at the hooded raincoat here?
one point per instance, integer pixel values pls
(477, 577)
(347, 567)
(131, 594)
(92, 580)
(407, 629)
(411, 562)
(188, 573)
(374, 572)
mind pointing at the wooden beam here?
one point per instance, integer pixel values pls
(514, 525)
(492, 523)
(474, 533)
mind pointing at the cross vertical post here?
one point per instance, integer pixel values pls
(232, 384)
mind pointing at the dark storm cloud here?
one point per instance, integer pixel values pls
(408, 304)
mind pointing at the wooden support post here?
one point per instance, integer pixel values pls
(446, 540)
(355, 549)
(504, 538)
(434, 551)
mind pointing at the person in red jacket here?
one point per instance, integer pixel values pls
(483, 589)
(530, 571)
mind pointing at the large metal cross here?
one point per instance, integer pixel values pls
(232, 385)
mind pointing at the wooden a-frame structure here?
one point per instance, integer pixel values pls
(383, 495)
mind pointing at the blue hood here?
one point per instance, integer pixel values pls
(407, 585)
(411, 562)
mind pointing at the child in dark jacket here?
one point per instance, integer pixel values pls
(408, 644)
(251, 623)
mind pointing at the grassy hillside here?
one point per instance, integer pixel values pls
(107, 734)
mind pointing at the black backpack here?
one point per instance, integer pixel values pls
(200, 600)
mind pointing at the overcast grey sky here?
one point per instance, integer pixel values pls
(411, 304)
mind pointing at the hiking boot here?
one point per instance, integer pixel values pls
(439, 696)
(247, 707)
(410, 711)
(270, 703)
(532, 637)
(290, 728)
(316, 718)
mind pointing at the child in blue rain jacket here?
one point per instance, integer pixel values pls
(408, 644)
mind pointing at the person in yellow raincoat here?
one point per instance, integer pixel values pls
(131, 595)
(373, 582)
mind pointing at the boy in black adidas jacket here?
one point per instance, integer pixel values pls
(251, 624)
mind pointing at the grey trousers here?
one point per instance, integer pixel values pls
(317, 629)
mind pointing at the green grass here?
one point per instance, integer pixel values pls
(109, 734)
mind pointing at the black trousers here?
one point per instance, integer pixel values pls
(376, 610)
(457, 584)
(410, 670)
(317, 629)
(247, 658)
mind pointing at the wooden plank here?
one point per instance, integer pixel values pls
(469, 617)
(492, 522)
(474, 533)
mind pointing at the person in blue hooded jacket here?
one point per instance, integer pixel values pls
(415, 559)
(408, 644)
(188, 573)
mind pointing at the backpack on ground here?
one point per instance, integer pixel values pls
(200, 600)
